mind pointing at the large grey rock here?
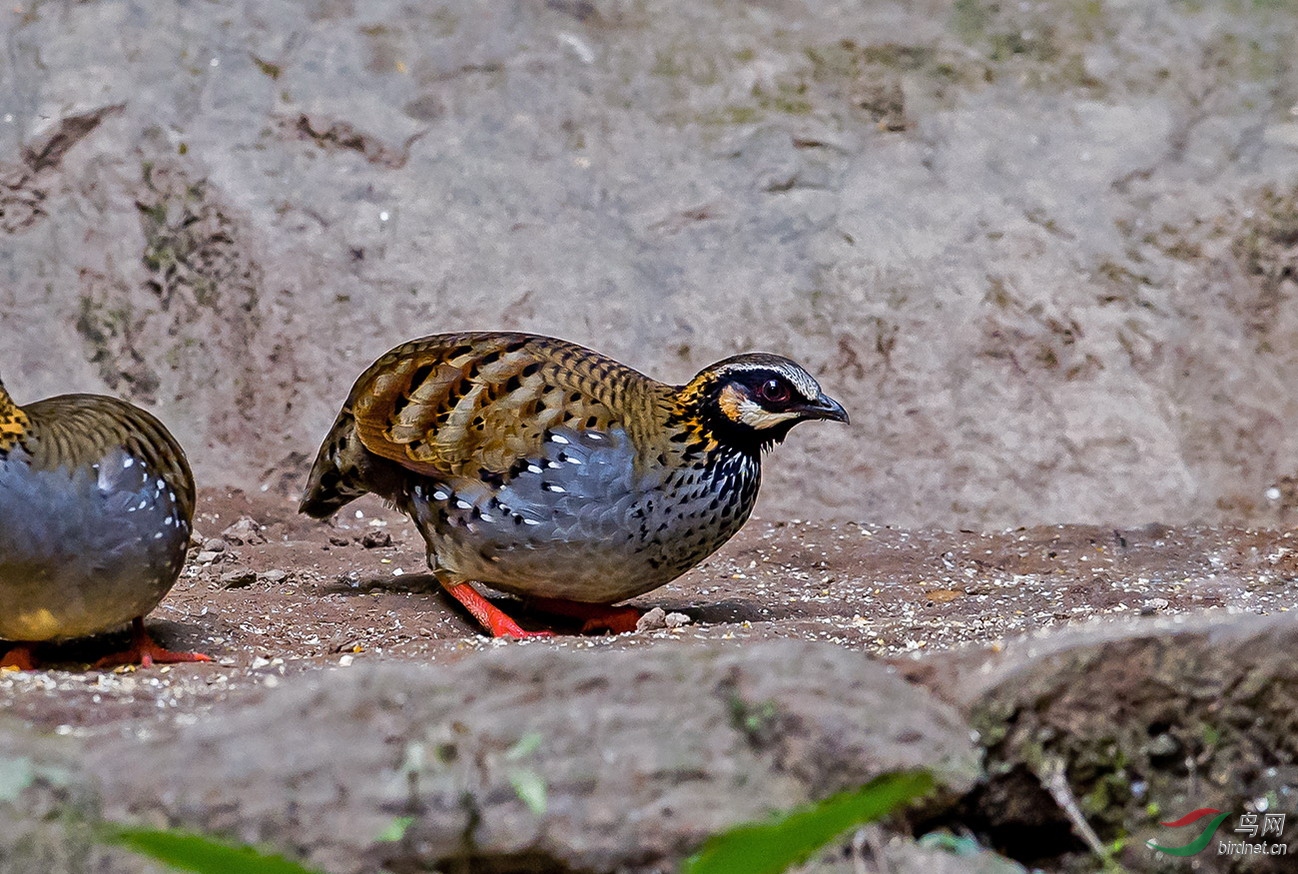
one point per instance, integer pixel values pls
(1030, 246)
(873, 852)
(640, 756)
(1134, 725)
(49, 809)
(905, 856)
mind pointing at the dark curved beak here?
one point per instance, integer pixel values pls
(825, 407)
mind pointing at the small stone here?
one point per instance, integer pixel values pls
(339, 541)
(343, 643)
(1162, 745)
(676, 620)
(238, 579)
(246, 530)
(1153, 605)
(373, 539)
(652, 620)
(207, 556)
(215, 544)
(275, 576)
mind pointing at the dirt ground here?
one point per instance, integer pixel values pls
(282, 594)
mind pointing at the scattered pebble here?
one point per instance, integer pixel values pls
(1153, 605)
(374, 539)
(238, 579)
(245, 531)
(873, 588)
(653, 619)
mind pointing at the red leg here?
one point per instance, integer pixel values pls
(21, 658)
(146, 652)
(599, 617)
(489, 616)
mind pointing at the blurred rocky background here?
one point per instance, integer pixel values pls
(1044, 252)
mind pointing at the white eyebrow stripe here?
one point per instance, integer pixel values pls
(801, 381)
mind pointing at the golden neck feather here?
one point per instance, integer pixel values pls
(13, 421)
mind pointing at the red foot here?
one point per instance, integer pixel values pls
(489, 616)
(21, 658)
(599, 617)
(146, 652)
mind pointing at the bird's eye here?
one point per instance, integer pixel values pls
(774, 391)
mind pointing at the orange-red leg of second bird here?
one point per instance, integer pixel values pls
(489, 616)
(20, 658)
(599, 617)
(146, 652)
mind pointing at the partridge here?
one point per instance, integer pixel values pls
(96, 502)
(543, 469)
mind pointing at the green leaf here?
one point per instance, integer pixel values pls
(790, 838)
(396, 830)
(527, 744)
(187, 851)
(530, 788)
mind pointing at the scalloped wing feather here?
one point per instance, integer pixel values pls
(462, 404)
(77, 430)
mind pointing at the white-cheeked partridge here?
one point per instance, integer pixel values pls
(541, 468)
(96, 505)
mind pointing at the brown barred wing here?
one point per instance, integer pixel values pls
(79, 430)
(475, 405)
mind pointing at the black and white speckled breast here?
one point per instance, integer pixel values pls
(580, 523)
(84, 549)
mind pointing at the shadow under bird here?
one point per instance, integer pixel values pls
(96, 506)
(543, 469)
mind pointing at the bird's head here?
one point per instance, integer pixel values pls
(752, 400)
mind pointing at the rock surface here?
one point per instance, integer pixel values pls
(524, 759)
(1044, 253)
(340, 705)
(312, 595)
(530, 758)
(1140, 727)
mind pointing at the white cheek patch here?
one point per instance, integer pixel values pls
(752, 415)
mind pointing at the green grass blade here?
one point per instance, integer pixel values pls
(530, 788)
(396, 830)
(772, 847)
(187, 851)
